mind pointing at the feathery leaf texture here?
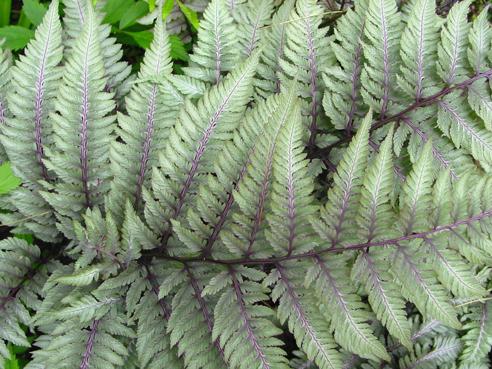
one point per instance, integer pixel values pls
(83, 129)
(313, 192)
(117, 72)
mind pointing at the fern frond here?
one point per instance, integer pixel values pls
(375, 209)
(382, 33)
(479, 40)
(305, 321)
(117, 72)
(215, 200)
(245, 235)
(275, 35)
(83, 130)
(196, 137)
(341, 101)
(306, 52)
(17, 291)
(214, 52)
(418, 50)
(96, 344)
(152, 314)
(454, 272)
(143, 132)
(371, 269)
(341, 305)
(343, 197)
(478, 338)
(452, 49)
(415, 200)
(480, 100)
(191, 321)
(292, 201)
(243, 323)
(444, 350)
(421, 287)
(27, 134)
(455, 121)
(251, 17)
(5, 64)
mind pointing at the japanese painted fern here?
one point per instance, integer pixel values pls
(312, 192)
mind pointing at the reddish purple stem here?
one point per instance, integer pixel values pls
(144, 160)
(247, 321)
(89, 346)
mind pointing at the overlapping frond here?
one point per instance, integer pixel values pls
(215, 200)
(151, 112)
(243, 324)
(20, 282)
(198, 134)
(255, 197)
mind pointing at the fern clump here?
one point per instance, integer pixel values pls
(310, 191)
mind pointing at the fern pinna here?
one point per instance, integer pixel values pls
(312, 190)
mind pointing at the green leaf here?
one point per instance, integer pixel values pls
(151, 5)
(136, 11)
(16, 37)
(29, 238)
(12, 363)
(5, 8)
(34, 10)
(8, 181)
(190, 15)
(178, 51)
(167, 8)
(82, 277)
(23, 20)
(142, 38)
(116, 9)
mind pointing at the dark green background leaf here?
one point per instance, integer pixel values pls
(34, 10)
(5, 8)
(136, 11)
(16, 37)
(115, 9)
